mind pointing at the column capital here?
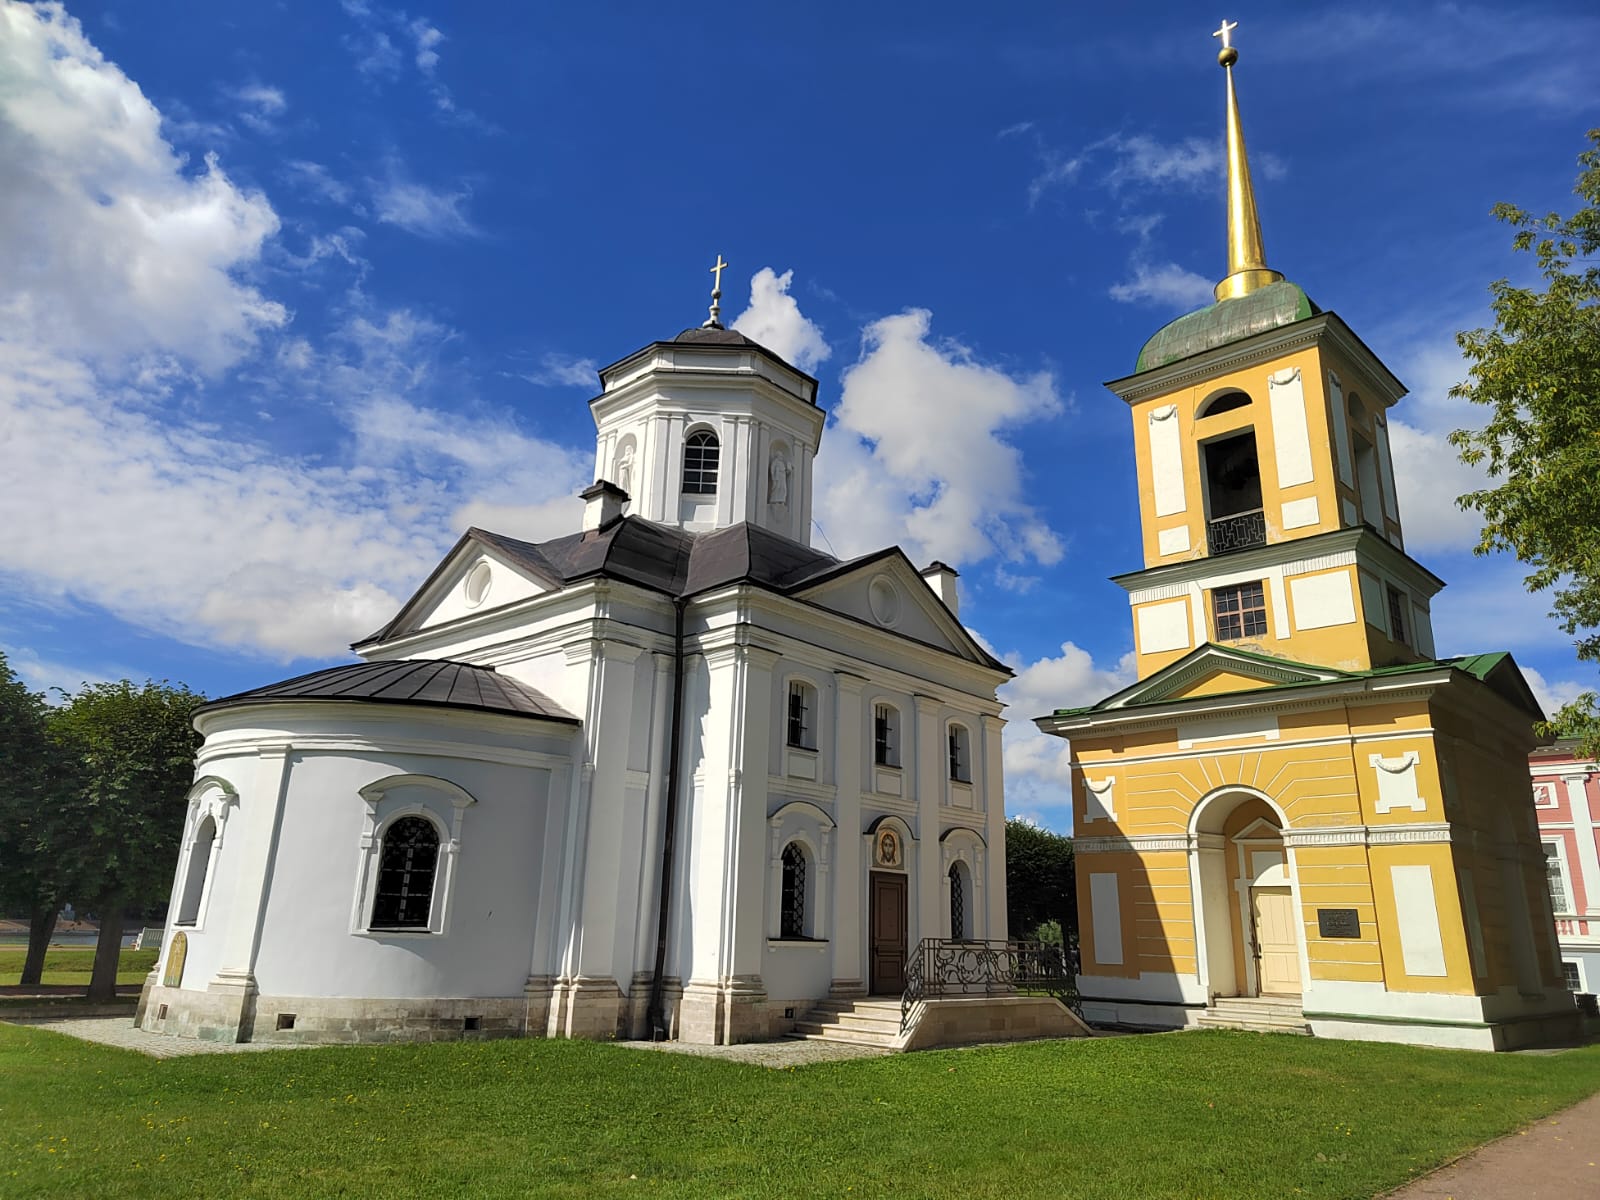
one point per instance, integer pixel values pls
(849, 683)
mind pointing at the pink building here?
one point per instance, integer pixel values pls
(1566, 797)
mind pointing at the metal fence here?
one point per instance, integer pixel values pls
(948, 967)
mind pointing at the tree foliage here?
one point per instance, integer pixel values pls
(1537, 371)
(31, 779)
(1041, 880)
(131, 750)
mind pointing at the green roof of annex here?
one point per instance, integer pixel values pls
(1479, 666)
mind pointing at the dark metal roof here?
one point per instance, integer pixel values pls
(437, 683)
(669, 560)
(724, 339)
(706, 336)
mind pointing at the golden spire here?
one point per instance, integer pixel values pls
(1247, 262)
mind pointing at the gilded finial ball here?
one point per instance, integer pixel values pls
(1227, 56)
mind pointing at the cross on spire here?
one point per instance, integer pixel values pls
(715, 320)
(1225, 33)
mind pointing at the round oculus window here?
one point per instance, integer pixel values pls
(884, 600)
(476, 587)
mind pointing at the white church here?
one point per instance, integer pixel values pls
(676, 774)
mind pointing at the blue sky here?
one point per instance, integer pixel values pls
(292, 293)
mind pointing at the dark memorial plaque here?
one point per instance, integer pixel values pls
(1338, 923)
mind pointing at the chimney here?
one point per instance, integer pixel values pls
(942, 579)
(602, 505)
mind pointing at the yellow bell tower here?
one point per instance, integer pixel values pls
(1298, 817)
(1266, 487)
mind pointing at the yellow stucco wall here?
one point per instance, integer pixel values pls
(1318, 772)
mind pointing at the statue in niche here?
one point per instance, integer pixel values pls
(778, 480)
(624, 471)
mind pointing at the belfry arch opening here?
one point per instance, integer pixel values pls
(1247, 918)
(1232, 469)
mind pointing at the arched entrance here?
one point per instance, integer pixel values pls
(1247, 919)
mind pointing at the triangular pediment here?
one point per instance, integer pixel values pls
(1214, 670)
(885, 591)
(475, 577)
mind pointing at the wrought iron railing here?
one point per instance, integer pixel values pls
(1238, 531)
(946, 967)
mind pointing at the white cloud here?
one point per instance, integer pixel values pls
(261, 106)
(53, 677)
(1551, 694)
(1038, 765)
(773, 318)
(1165, 284)
(563, 371)
(427, 40)
(916, 452)
(319, 181)
(135, 477)
(1192, 164)
(1489, 608)
(110, 244)
(419, 209)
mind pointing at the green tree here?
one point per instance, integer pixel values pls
(1537, 371)
(30, 774)
(1040, 881)
(132, 751)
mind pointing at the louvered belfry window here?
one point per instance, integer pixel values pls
(792, 923)
(407, 866)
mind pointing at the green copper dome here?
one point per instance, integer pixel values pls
(1226, 321)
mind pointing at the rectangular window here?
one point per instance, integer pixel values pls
(1569, 974)
(1558, 880)
(1397, 615)
(1240, 612)
(885, 752)
(800, 716)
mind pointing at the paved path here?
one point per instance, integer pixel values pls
(119, 1031)
(1557, 1158)
(777, 1055)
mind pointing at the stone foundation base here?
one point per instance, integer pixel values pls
(209, 1016)
(591, 1009)
(736, 1010)
(964, 1020)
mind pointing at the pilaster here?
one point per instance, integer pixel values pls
(849, 902)
(260, 815)
(994, 807)
(1583, 827)
(928, 787)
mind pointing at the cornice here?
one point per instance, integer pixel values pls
(1258, 348)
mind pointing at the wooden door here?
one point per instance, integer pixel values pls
(1277, 947)
(887, 925)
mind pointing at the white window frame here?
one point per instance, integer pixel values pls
(893, 734)
(958, 752)
(1583, 976)
(801, 822)
(808, 693)
(1560, 844)
(380, 816)
(209, 797)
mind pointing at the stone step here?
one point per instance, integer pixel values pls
(853, 1020)
(809, 1031)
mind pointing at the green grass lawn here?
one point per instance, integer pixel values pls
(73, 964)
(1189, 1115)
